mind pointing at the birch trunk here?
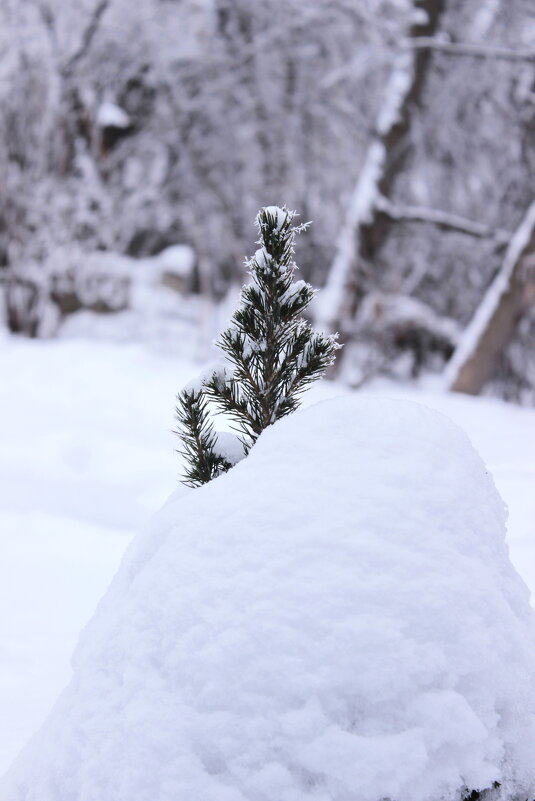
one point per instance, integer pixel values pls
(355, 245)
(498, 315)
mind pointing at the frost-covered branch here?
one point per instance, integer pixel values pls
(384, 311)
(199, 440)
(471, 49)
(87, 36)
(49, 21)
(444, 219)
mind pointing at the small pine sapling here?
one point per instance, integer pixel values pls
(274, 354)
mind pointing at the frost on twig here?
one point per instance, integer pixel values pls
(441, 218)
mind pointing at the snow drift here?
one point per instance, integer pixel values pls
(336, 618)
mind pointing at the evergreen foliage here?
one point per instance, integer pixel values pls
(274, 354)
(198, 439)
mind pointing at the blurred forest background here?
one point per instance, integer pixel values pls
(138, 140)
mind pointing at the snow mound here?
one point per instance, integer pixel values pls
(229, 446)
(110, 115)
(336, 618)
(177, 259)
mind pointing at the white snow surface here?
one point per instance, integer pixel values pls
(262, 258)
(177, 259)
(335, 618)
(113, 116)
(396, 91)
(229, 446)
(280, 215)
(217, 367)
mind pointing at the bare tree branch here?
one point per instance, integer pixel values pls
(87, 37)
(443, 219)
(49, 21)
(471, 49)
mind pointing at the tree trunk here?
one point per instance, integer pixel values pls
(382, 163)
(498, 315)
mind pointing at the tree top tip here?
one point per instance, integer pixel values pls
(275, 217)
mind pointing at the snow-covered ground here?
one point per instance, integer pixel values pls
(87, 454)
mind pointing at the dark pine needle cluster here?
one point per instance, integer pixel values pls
(272, 351)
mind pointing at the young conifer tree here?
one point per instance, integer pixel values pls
(273, 353)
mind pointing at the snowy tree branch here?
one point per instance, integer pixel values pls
(87, 36)
(474, 50)
(49, 21)
(443, 219)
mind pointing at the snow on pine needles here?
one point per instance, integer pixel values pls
(272, 355)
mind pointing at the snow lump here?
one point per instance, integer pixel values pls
(335, 619)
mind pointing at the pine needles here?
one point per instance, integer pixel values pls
(273, 353)
(198, 439)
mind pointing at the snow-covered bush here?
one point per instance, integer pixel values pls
(111, 134)
(334, 619)
(273, 353)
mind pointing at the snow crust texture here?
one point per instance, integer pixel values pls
(336, 618)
